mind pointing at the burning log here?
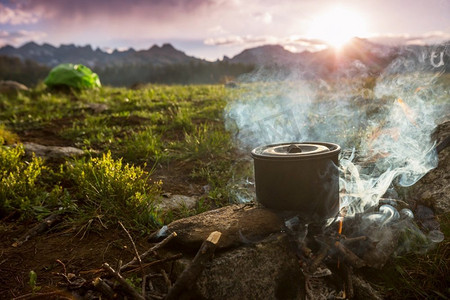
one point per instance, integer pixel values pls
(349, 256)
(191, 273)
(323, 252)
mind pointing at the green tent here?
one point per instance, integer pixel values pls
(77, 76)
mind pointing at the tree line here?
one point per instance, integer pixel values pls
(31, 73)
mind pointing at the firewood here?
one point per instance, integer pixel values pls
(46, 224)
(323, 252)
(149, 251)
(193, 271)
(104, 288)
(349, 256)
(127, 287)
(348, 279)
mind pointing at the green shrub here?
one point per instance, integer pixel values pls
(115, 191)
(6, 136)
(23, 186)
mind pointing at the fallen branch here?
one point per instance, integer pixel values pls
(190, 275)
(104, 288)
(46, 224)
(127, 287)
(156, 262)
(151, 250)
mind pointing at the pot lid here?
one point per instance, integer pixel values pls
(294, 150)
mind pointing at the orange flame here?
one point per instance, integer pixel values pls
(409, 113)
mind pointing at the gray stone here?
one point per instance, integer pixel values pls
(266, 270)
(173, 202)
(434, 188)
(11, 87)
(51, 151)
(239, 224)
(98, 107)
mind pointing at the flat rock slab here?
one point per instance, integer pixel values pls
(239, 224)
(11, 87)
(51, 151)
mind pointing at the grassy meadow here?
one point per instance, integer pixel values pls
(139, 144)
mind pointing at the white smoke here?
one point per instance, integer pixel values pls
(384, 130)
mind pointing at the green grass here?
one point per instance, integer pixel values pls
(132, 134)
(139, 133)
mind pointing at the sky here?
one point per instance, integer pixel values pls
(210, 29)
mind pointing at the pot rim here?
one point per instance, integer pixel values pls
(334, 149)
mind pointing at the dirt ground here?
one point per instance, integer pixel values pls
(82, 252)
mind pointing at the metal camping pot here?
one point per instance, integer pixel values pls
(301, 177)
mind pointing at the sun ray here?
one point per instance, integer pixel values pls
(337, 26)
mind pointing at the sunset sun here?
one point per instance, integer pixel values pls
(336, 26)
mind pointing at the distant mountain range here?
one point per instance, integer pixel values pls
(359, 55)
(49, 55)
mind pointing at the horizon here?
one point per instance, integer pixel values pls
(111, 50)
(208, 29)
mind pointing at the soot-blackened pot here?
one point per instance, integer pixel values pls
(301, 177)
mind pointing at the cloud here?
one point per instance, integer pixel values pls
(291, 43)
(16, 38)
(16, 16)
(264, 17)
(432, 37)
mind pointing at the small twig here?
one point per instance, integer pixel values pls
(154, 296)
(160, 261)
(166, 279)
(127, 287)
(119, 266)
(347, 240)
(151, 250)
(63, 265)
(150, 284)
(137, 257)
(42, 296)
(144, 283)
